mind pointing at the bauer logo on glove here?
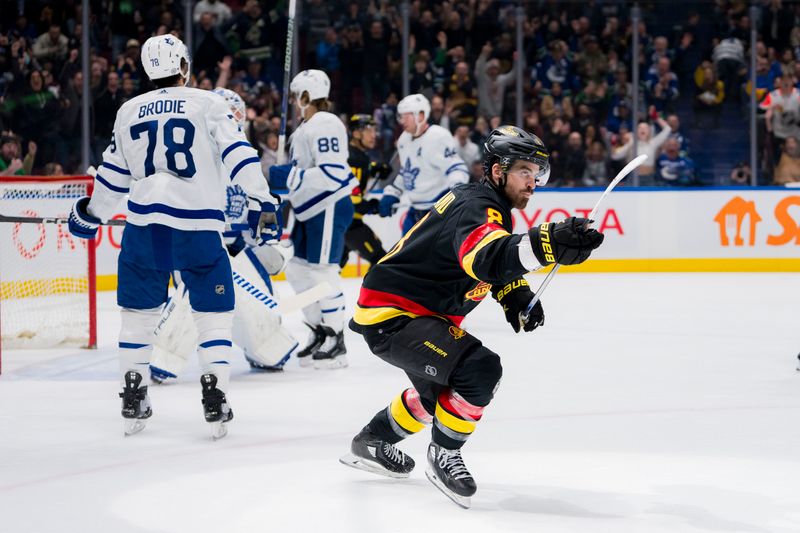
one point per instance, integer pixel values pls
(514, 297)
(569, 242)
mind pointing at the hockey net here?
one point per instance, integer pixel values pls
(47, 276)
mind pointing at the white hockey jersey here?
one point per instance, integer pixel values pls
(174, 151)
(429, 167)
(322, 175)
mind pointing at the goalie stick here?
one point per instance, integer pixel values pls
(286, 305)
(627, 169)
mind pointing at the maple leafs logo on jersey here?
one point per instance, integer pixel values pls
(409, 175)
(236, 202)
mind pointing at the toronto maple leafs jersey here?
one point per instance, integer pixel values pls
(429, 167)
(322, 174)
(174, 151)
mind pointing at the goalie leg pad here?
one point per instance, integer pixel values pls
(273, 354)
(214, 345)
(175, 337)
(258, 331)
(136, 339)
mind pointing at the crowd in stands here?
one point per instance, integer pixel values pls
(575, 61)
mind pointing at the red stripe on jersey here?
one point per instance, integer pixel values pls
(372, 298)
(476, 237)
(456, 405)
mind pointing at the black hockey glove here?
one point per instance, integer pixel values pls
(367, 207)
(515, 297)
(568, 243)
(379, 171)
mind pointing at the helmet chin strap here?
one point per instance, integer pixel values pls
(187, 76)
(419, 124)
(299, 101)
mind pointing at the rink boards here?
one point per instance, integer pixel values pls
(647, 230)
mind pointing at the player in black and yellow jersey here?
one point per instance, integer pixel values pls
(413, 301)
(359, 236)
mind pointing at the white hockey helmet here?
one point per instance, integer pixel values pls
(162, 55)
(414, 103)
(235, 102)
(315, 82)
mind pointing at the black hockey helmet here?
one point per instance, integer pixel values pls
(359, 121)
(507, 144)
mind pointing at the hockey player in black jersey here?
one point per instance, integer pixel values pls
(359, 236)
(413, 301)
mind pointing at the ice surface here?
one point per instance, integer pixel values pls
(648, 403)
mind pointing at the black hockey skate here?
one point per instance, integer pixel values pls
(135, 404)
(217, 411)
(447, 471)
(371, 454)
(315, 340)
(332, 352)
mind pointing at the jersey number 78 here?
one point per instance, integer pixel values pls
(173, 147)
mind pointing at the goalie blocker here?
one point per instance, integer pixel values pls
(257, 328)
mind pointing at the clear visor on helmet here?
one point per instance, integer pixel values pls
(543, 175)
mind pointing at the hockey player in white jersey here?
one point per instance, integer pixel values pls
(318, 182)
(429, 163)
(173, 151)
(257, 327)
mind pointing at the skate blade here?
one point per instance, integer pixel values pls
(305, 361)
(132, 426)
(462, 501)
(331, 364)
(358, 463)
(218, 430)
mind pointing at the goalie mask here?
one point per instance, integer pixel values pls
(235, 102)
(507, 144)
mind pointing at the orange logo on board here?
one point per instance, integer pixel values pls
(731, 222)
(739, 217)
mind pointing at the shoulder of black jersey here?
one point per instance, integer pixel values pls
(481, 196)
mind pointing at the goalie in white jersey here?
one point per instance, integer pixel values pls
(173, 151)
(318, 183)
(429, 162)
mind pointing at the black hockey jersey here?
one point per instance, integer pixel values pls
(446, 264)
(360, 167)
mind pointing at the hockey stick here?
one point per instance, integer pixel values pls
(53, 220)
(287, 72)
(627, 169)
(62, 220)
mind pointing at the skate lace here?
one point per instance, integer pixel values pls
(393, 454)
(451, 461)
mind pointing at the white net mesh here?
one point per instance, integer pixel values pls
(44, 271)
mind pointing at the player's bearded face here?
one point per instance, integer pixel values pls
(521, 183)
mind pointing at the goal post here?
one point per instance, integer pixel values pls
(47, 276)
